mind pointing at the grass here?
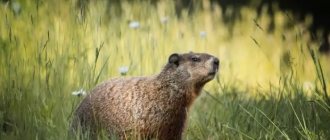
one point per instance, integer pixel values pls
(270, 86)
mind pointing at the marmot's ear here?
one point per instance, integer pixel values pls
(174, 59)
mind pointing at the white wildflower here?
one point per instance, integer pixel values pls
(308, 86)
(203, 34)
(123, 70)
(80, 92)
(134, 24)
(164, 20)
(16, 6)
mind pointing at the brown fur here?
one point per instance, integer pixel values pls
(154, 106)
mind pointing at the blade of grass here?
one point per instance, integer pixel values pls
(283, 133)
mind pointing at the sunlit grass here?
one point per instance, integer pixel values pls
(48, 51)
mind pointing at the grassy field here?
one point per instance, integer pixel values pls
(271, 85)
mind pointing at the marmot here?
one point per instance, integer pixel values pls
(151, 107)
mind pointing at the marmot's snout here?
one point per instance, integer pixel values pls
(215, 66)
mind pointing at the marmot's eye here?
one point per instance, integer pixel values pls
(195, 59)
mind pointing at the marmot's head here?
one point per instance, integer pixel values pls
(198, 68)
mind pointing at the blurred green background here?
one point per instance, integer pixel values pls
(273, 80)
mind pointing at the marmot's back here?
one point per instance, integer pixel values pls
(148, 106)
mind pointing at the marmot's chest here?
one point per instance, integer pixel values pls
(161, 104)
(161, 114)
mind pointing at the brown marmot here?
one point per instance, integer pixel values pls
(148, 107)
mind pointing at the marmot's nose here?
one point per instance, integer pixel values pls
(216, 62)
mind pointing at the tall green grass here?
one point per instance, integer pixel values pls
(270, 85)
